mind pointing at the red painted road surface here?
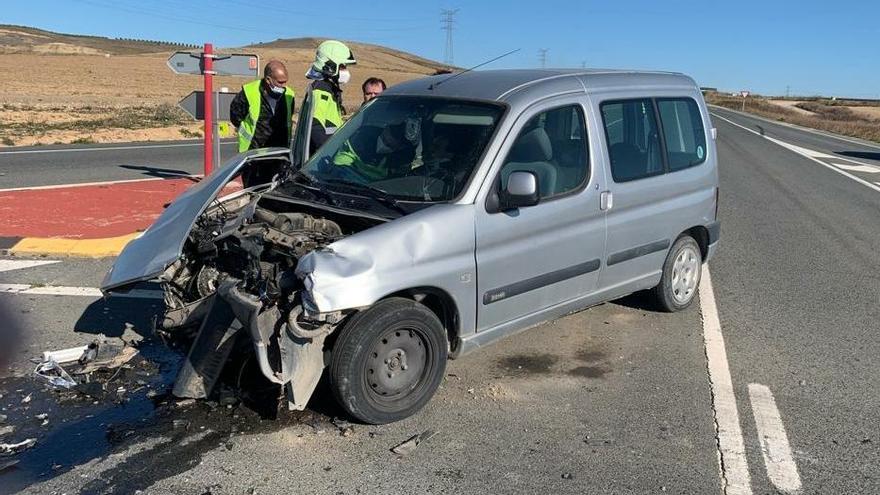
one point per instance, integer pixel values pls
(88, 212)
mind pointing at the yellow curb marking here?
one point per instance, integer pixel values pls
(89, 248)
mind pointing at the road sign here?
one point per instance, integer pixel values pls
(236, 64)
(744, 94)
(194, 104)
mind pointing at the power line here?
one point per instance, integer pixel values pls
(448, 19)
(542, 57)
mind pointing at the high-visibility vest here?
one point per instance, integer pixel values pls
(326, 110)
(249, 124)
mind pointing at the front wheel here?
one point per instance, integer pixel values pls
(388, 361)
(681, 275)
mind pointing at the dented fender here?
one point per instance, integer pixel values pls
(433, 248)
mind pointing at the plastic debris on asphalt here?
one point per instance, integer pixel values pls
(52, 372)
(410, 444)
(11, 448)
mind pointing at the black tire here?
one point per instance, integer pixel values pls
(669, 295)
(388, 361)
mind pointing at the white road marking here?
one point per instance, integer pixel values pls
(107, 148)
(102, 183)
(55, 290)
(798, 127)
(732, 462)
(858, 168)
(9, 265)
(800, 151)
(49, 290)
(778, 459)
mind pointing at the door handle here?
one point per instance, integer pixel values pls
(606, 200)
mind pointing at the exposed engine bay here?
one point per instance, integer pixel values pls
(235, 283)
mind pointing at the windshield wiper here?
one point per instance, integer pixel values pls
(371, 192)
(313, 186)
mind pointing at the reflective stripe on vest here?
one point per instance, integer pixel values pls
(326, 110)
(249, 124)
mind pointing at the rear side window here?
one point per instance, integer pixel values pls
(683, 131)
(633, 139)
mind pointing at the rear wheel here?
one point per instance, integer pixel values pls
(681, 275)
(388, 361)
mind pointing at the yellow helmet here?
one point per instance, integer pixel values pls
(330, 55)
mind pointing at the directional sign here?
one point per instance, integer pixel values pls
(236, 64)
(194, 104)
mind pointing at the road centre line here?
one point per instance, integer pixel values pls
(9, 265)
(53, 290)
(106, 148)
(732, 462)
(804, 152)
(102, 183)
(778, 459)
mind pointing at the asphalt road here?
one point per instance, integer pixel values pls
(615, 399)
(28, 166)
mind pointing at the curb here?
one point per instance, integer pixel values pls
(74, 248)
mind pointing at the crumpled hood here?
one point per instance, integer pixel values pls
(429, 247)
(162, 244)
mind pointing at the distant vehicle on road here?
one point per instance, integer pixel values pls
(449, 212)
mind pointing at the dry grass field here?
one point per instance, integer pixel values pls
(63, 88)
(850, 118)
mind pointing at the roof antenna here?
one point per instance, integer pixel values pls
(434, 85)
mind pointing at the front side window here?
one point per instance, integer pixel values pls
(410, 148)
(683, 132)
(633, 139)
(552, 145)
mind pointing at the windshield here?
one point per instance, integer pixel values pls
(408, 148)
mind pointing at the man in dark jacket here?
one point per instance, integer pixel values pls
(262, 112)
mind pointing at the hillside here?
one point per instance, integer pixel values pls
(22, 39)
(104, 89)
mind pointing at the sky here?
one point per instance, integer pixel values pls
(770, 46)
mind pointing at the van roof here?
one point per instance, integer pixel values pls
(505, 84)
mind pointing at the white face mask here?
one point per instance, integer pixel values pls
(278, 90)
(344, 76)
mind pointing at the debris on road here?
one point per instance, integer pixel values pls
(52, 372)
(410, 444)
(65, 355)
(27, 398)
(109, 360)
(5, 430)
(11, 448)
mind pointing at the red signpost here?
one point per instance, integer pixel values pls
(209, 64)
(208, 58)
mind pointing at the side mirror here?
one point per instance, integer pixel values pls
(522, 190)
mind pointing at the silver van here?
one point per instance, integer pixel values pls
(448, 213)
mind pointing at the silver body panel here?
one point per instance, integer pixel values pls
(478, 259)
(161, 245)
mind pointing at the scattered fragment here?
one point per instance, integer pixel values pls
(26, 399)
(5, 430)
(110, 362)
(42, 416)
(65, 355)
(52, 372)
(2, 416)
(181, 423)
(410, 444)
(567, 476)
(11, 448)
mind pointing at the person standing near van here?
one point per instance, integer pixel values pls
(262, 111)
(328, 74)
